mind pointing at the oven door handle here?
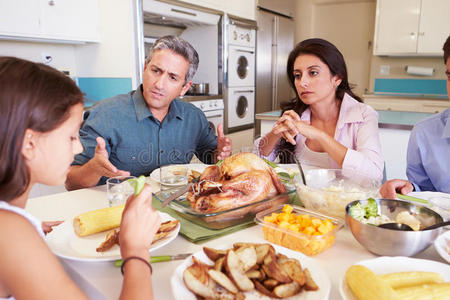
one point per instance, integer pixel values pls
(246, 51)
(214, 116)
(245, 91)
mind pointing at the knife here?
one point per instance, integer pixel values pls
(162, 258)
(177, 194)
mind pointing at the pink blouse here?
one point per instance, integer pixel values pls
(356, 129)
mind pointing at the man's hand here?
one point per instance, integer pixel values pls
(223, 144)
(100, 162)
(391, 187)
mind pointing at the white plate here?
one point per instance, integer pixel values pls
(181, 292)
(66, 244)
(442, 245)
(196, 167)
(386, 264)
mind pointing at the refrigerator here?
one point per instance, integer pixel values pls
(274, 41)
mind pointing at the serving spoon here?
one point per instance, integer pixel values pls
(300, 169)
(404, 227)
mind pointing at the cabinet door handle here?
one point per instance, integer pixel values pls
(183, 12)
(51, 2)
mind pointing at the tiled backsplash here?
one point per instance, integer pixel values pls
(99, 88)
(435, 88)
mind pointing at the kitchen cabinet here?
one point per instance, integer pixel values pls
(71, 21)
(411, 27)
(407, 104)
(245, 9)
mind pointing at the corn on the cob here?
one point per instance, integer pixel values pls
(404, 279)
(433, 291)
(368, 286)
(98, 220)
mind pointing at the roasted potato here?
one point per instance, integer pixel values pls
(213, 254)
(232, 265)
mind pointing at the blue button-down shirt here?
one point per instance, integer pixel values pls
(428, 158)
(137, 142)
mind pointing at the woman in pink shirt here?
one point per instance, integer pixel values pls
(325, 125)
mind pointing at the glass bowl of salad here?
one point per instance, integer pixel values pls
(328, 191)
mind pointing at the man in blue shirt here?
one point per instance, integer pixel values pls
(428, 157)
(134, 134)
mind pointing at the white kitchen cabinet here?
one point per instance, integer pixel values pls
(245, 9)
(16, 20)
(411, 27)
(407, 104)
(71, 21)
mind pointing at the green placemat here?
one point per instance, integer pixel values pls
(196, 233)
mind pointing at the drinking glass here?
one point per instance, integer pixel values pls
(172, 176)
(118, 189)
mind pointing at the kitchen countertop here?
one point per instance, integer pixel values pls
(407, 96)
(101, 280)
(387, 118)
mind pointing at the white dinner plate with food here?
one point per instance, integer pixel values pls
(66, 244)
(181, 292)
(394, 264)
(155, 174)
(442, 245)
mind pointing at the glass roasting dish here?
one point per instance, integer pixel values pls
(222, 219)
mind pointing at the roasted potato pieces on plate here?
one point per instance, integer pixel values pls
(250, 271)
(396, 278)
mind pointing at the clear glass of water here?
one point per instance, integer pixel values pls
(118, 189)
(172, 176)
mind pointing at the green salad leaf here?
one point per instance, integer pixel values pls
(273, 165)
(360, 211)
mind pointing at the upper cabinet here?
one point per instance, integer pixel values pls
(240, 8)
(411, 27)
(70, 21)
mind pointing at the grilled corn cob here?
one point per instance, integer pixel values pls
(404, 279)
(368, 286)
(98, 220)
(431, 291)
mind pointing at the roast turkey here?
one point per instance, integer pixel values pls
(241, 179)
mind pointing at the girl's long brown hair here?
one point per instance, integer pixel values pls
(32, 96)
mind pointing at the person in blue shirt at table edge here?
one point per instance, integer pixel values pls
(428, 163)
(135, 133)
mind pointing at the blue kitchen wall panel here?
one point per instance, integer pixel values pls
(99, 88)
(411, 87)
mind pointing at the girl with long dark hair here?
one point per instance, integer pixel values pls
(326, 125)
(40, 116)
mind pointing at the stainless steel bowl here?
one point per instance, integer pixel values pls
(390, 242)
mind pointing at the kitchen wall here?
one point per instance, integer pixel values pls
(102, 69)
(349, 24)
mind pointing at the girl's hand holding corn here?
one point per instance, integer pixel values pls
(140, 222)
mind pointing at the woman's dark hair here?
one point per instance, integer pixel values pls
(32, 96)
(329, 55)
